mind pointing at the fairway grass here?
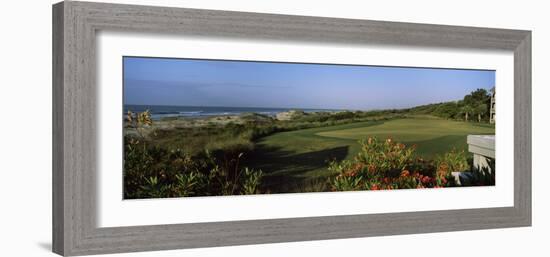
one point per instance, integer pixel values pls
(297, 160)
(431, 136)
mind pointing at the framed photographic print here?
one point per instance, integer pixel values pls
(183, 128)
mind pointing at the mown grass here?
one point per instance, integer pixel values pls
(293, 160)
(431, 136)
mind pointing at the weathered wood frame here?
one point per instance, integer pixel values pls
(74, 130)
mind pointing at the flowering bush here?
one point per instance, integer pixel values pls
(453, 161)
(386, 165)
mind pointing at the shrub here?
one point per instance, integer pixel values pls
(385, 165)
(382, 157)
(151, 171)
(453, 161)
(252, 180)
(154, 172)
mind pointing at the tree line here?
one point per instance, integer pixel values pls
(475, 105)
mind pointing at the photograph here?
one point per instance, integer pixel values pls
(205, 127)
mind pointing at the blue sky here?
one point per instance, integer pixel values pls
(185, 82)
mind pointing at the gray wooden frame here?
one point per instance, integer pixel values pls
(74, 103)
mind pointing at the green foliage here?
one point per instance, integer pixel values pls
(237, 138)
(252, 180)
(481, 109)
(151, 188)
(347, 182)
(385, 165)
(152, 171)
(389, 165)
(466, 110)
(302, 155)
(453, 161)
(205, 159)
(187, 183)
(446, 110)
(384, 156)
(320, 119)
(476, 97)
(475, 103)
(194, 140)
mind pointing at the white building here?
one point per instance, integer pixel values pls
(492, 113)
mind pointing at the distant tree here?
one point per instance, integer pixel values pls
(481, 110)
(466, 110)
(476, 102)
(478, 96)
(447, 110)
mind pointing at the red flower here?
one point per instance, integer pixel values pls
(374, 187)
(351, 174)
(426, 180)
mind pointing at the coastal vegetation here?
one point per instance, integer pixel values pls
(299, 151)
(152, 170)
(476, 104)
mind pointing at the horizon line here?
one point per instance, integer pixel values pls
(293, 108)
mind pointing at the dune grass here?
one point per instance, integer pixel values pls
(296, 160)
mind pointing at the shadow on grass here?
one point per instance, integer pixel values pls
(431, 148)
(289, 172)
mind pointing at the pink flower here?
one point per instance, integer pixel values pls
(426, 180)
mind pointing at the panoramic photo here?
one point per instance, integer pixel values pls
(197, 127)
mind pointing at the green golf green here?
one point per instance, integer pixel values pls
(297, 159)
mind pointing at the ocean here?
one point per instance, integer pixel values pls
(163, 111)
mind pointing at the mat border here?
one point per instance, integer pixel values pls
(74, 131)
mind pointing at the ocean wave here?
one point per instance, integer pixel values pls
(220, 113)
(165, 112)
(191, 112)
(159, 113)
